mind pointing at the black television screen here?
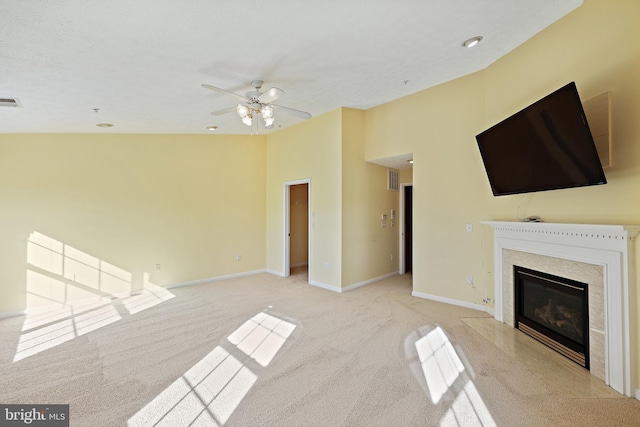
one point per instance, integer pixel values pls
(546, 146)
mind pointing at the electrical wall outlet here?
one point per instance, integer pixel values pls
(469, 280)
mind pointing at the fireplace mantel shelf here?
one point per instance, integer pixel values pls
(587, 235)
(609, 246)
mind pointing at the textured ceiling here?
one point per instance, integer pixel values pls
(401, 161)
(141, 63)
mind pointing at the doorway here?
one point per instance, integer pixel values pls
(406, 228)
(296, 263)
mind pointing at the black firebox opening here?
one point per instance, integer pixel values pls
(555, 307)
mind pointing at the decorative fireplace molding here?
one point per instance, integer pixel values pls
(608, 246)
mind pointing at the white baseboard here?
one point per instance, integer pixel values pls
(325, 286)
(368, 282)
(8, 314)
(350, 287)
(275, 273)
(214, 279)
(453, 302)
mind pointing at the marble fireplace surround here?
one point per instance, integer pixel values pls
(582, 252)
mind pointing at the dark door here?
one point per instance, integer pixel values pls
(408, 228)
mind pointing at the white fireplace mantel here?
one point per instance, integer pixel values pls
(608, 246)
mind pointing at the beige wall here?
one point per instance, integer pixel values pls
(439, 126)
(309, 150)
(448, 185)
(592, 46)
(368, 250)
(405, 175)
(129, 202)
(347, 194)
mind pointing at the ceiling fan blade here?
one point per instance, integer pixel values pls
(293, 112)
(224, 111)
(270, 95)
(226, 92)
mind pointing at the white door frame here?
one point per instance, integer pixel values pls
(287, 224)
(401, 254)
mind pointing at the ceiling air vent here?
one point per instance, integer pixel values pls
(392, 180)
(10, 102)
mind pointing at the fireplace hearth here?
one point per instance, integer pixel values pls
(553, 310)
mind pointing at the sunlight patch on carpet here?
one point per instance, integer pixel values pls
(446, 380)
(71, 293)
(440, 362)
(210, 391)
(468, 410)
(41, 339)
(151, 296)
(261, 337)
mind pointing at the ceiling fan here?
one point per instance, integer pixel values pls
(257, 104)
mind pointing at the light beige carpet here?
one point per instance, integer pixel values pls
(269, 351)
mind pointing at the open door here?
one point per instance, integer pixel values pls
(297, 231)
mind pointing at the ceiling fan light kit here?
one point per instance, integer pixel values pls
(256, 103)
(247, 119)
(246, 114)
(242, 110)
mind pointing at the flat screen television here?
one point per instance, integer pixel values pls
(546, 146)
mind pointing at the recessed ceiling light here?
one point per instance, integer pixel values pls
(212, 128)
(472, 41)
(104, 125)
(10, 102)
(410, 161)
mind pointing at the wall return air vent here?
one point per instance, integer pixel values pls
(10, 102)
(392, 180)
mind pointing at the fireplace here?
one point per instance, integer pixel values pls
(600, 255)
(553, 310)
